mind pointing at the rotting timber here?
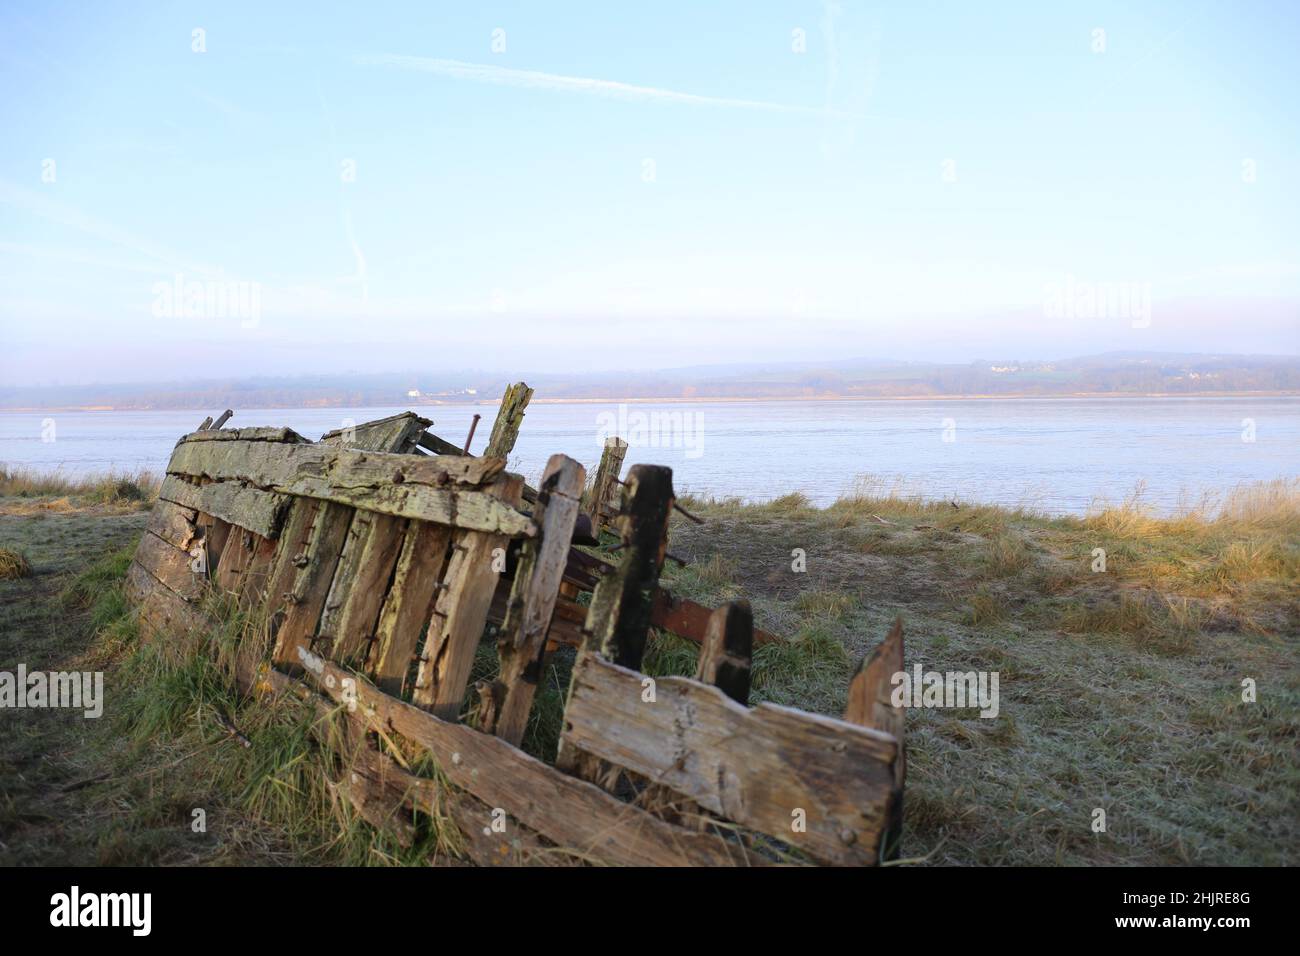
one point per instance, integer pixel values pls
(381, 556)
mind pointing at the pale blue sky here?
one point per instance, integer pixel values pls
(640, 185)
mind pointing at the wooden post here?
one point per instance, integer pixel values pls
(505, 430)
(597, 504)
(726, 653)
(870, 706)
(622, 604)
(506, 702)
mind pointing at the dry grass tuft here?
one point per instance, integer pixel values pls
(13, 565)
(109, 488)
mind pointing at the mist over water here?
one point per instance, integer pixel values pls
(1058, 455)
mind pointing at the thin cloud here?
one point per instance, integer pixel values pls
(534, 80)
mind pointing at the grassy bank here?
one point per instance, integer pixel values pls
(1120, 688)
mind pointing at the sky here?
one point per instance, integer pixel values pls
(215, 189)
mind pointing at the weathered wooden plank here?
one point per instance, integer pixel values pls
(600, 503)
(174, 524)
(727, 650)
(357, 593)
(461, 614)
(235, 558)
(510, 416)
(164, 616)
(670, 612)
(439, 446)
(567, 620)
(259, 511)
(386, 795)
(575, 815)
(252, 585)
(689, 619)
(283, 435)
(448, 490)
(311, 584)
(619, 618)
(170, 565)
(396, 433)
(216, 531)
(507, 701)
(756, 767)
(409, 602)
(374, 787)
(279, 466)
(870, 705)
(290, 554)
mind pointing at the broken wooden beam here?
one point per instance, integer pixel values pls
(870, 705)
(521, 648)
(460, 613)
(446, 489)
(510, 416)
(396, 433)
(600, 503)
(409, 603)
(571, 813)
(727, 650)
(251, 508)
(756, 767)
(619, 618)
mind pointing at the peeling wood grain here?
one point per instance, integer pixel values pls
(259, 511)
(170, 565)
(756, 767)
(448, 490)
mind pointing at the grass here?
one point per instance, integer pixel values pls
(13, 564)
(118, 489)
(179, 722)
(1120, 688)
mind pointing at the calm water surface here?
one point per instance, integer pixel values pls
(1059, 455)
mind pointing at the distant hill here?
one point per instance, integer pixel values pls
(1110, 374)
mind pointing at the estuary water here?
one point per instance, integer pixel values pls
(1057, 455)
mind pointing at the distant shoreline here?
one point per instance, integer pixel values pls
(680, 400)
